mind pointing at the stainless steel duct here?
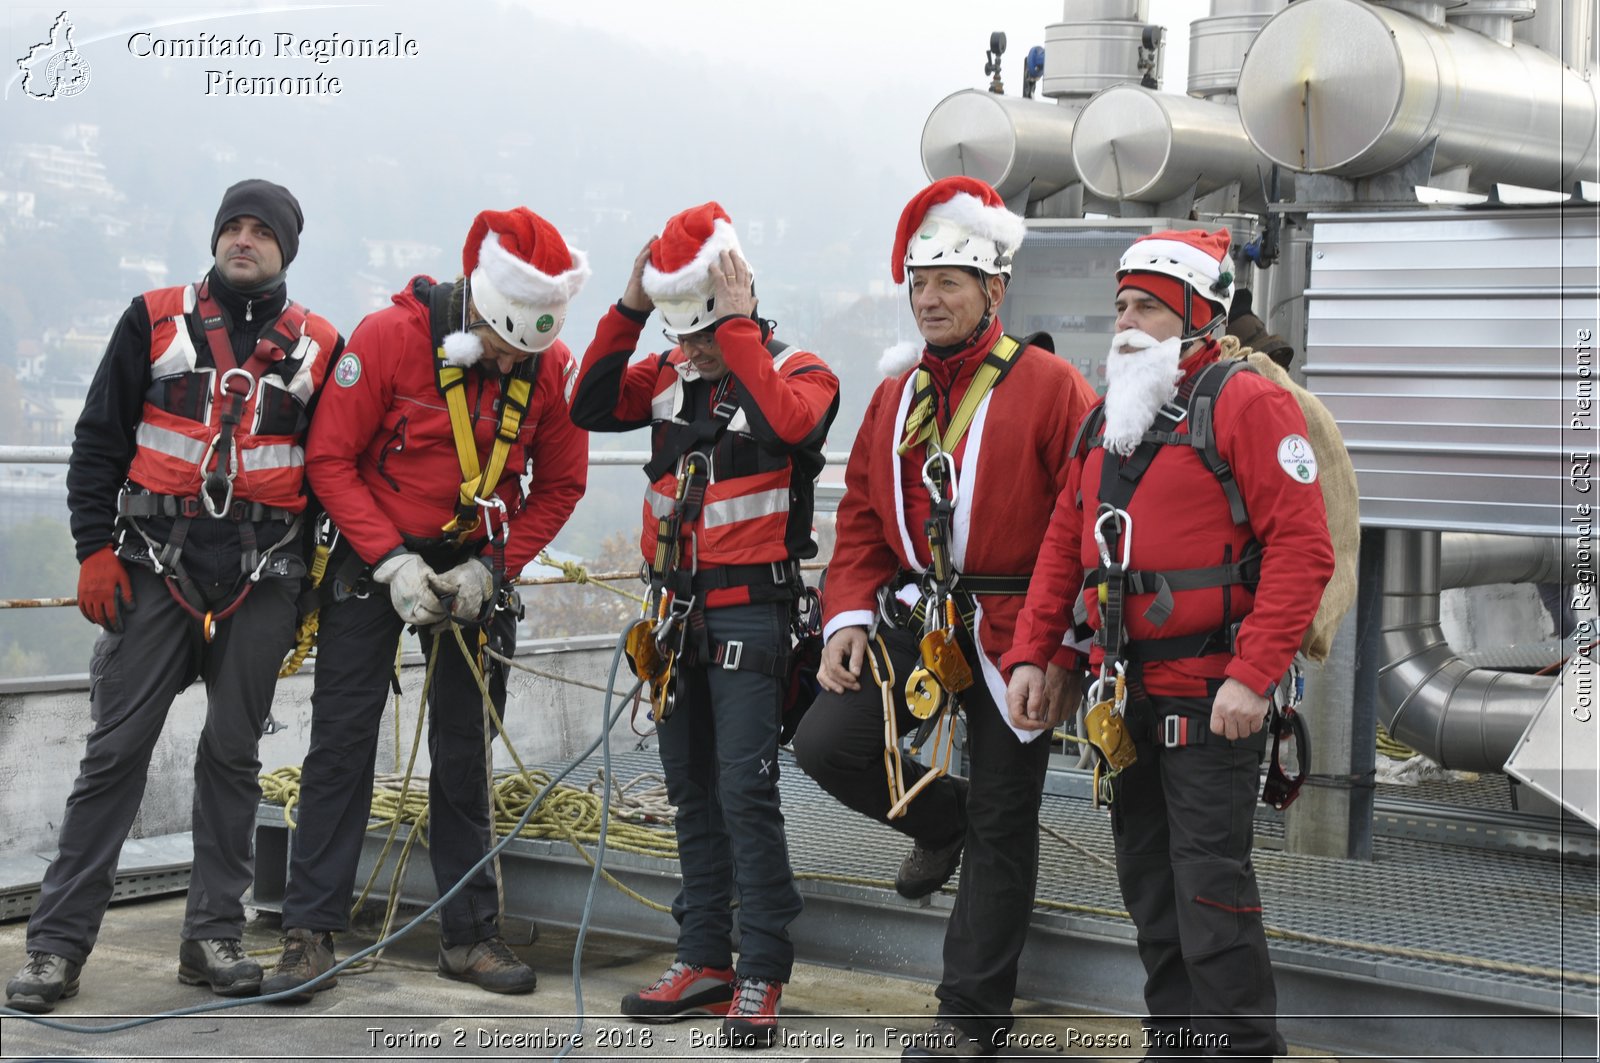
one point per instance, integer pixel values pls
(1097, 48)
(1471, 559)
(1491, 18)
(1014, 144)
(1564, 29)
(1345, 88)
(1217, 44)
(1463, 717)
(1130, 143)
(1429, 11)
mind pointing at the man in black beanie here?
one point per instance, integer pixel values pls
(186, 494)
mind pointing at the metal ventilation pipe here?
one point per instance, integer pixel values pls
(1463, 717)
(1218, 43)
(1134, 144)
(1014, 144)
(1394, 86)
(1472, 559)
(1429, 11)
(1024, 147)
(1095, 45)
(1491, 18)
(1564, 29)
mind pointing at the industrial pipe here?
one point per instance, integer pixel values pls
(1014, 144)
(1345, 88)
(1134, 144)
(1463, 717)
(1473, 559)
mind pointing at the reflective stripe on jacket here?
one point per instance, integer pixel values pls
(183, 411)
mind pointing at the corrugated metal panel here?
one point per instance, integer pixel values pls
(1443, 343)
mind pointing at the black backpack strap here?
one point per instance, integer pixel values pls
(1203, 433)
(436, 297)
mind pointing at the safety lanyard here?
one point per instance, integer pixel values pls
(920, 421)
(477, 484)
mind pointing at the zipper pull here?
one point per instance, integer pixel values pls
(248, 305)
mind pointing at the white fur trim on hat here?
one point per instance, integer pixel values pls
(995, 224)
(1142, 252)
(899, 358)
(462, 348)
(521, 282)
(695, 277)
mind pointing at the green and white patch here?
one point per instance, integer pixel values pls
(348, 371)
(1297, 458)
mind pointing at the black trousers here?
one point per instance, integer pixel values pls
(719, 753)
(1183, 821)
(355, 658)
(840, 745)
(134, 677)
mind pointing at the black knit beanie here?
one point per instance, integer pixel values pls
(273, 204)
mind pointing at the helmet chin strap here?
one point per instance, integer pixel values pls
(1190, 333)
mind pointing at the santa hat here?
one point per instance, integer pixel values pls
(964, 222)
(521, 275)
(1169, 263)
(677, 278)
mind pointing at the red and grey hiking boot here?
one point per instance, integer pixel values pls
(752, 1020)
(685, 989)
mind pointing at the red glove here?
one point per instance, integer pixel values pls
(104, 589)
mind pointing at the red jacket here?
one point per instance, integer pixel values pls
(382, 458)
(758, 503)
(1011, 464)
(1181, 520)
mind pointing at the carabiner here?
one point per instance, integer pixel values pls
(1125, 520)
(487, 505)
(949, 463)
(249, 388)
(211, 476)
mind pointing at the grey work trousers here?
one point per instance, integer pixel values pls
(134, 677)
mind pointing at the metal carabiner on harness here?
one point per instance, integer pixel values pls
(1107, 731)
(496, 535)
(213, 477)
(223, 387)
(1124, 520)
(228, 463)
(948, 461)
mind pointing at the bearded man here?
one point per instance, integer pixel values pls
(1225, 567)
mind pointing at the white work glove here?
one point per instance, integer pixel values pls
(407, 576)
(472, 584)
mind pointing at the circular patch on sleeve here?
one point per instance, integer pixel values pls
(1297, 458)
(348, 371)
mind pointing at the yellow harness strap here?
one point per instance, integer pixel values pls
(920, 424)
(476, 484)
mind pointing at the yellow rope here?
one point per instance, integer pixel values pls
(576, 573)
(305, 636)
(574, 815)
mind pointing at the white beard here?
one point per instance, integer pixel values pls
(1137, 384)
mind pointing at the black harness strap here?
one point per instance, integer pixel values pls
(1120, 477)
(679, 439)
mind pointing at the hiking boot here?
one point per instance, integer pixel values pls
(685, 989)
(306, 954)
(488, 964)
(752, 1020)
(946, 1040)
(925, 869)
(221, 964)
(43, 980)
